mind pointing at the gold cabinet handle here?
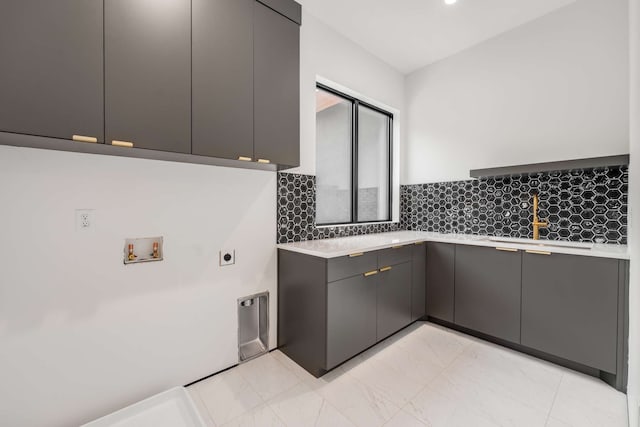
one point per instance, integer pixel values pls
(264, 161)
(356, 254)
(370, 273)
(82, 138)
(507, 249)
(418, 243)
(529, 251)
(125, 144)
(383, 269)
(397, 247)
(245, 159)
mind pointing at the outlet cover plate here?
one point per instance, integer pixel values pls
(227, 257)
(85, 220)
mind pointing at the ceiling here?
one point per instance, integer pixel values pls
(409, 34)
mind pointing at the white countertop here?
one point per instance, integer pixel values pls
(341, 246)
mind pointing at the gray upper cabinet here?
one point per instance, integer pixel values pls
(440, 280)
(570, 307)
(51, 77)
(418, 281)
(394, 298)
(351, 317)
(148, 73)
(487, 291)
(212, 79)
(223, 78)
(276, 87)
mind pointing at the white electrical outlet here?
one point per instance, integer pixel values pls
(85, 220)
(227, 257)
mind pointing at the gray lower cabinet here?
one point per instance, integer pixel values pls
(329, 310)
(51, 77)
(418, 281)
(394, 299)
(570, 308)
(148, 73)
(351, 317)
(223, 78)
(487, 291)
(276, 87)
(440, 280)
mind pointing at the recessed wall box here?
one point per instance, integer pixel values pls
(146, 249)
(253, 326)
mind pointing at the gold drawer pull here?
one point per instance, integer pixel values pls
(264, 161)
(418, 243)
(125, 144)
(507, 249)
(356, 254)
(370, 273)
(397, 247)
(82, 138)
(245, 159)
(383, 269)
(529, 251)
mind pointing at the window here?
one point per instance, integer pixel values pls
(353, 166)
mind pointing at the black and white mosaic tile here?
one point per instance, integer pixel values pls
(588, 205)
(297, 213)
(580, 205)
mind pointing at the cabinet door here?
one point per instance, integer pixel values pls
(51, 76)
(440, 276)
(351, 317)
(394, 299)
(418, 281)
(277, 87)
(570, 307)
(223, 78)
(487, 291)
(148, 73)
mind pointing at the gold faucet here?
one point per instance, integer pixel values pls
(537, 224)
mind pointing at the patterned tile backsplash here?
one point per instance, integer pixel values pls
(579, 205)
(587, 205)
(297, 213)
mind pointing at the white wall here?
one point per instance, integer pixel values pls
(553, 89)
(80, 333)
(327, 54)
(634, 219)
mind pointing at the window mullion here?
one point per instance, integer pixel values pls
(354, 165)
(390, 177)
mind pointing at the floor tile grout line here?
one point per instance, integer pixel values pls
(424, 423)
(277, 415)
(203, 405)
(324, 402)
(298, 379)
(244, 378)
(515, 398)
(451, 357)
(555, 396)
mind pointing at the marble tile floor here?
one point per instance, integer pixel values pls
(426, 375)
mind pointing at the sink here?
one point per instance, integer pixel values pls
(543, 243)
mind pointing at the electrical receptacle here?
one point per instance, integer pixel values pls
(85, 219)
(227, 257)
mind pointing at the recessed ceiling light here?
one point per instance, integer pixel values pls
(450, 1)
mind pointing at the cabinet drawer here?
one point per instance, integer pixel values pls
(395, 255)
(351, 265)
